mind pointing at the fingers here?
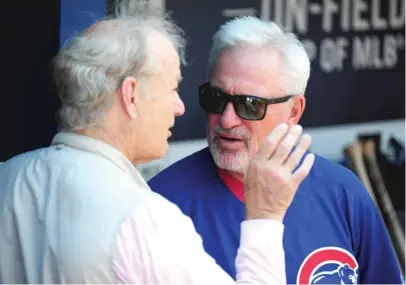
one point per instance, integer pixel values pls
(297, 154)
(285, 147)
(303, 170)
(271, 142)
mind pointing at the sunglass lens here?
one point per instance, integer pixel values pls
(211, 101)
(250, 108)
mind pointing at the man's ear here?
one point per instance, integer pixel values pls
(128, 93)
(297, 109)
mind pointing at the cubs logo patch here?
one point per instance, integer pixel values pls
(328, 265)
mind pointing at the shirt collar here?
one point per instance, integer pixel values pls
(236, 186)
(100, 148)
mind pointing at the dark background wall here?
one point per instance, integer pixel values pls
(30, 38)
(357, 53)
(362, 90)
(356, 48)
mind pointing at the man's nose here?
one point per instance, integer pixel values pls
(229, 118)
(179, 107)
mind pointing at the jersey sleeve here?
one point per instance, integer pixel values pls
(376, 258)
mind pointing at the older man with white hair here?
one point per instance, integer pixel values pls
(257, 80)
(78, 211)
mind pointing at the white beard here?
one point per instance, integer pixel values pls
(232, 161)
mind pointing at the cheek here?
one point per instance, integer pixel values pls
(263, 128)
(212, 121)
(168, 108)
(159, 113)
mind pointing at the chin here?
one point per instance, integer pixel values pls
(153, 153)
(236, 161)
(163, 150)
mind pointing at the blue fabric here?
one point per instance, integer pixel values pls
(332, 229)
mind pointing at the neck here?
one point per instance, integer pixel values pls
(112, 138)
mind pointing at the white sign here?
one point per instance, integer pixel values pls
(375, 45)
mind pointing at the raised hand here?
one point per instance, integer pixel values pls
(273, 175)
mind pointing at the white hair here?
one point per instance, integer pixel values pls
(251, 31)
(91, 66)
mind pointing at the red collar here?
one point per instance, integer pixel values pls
(236, 186)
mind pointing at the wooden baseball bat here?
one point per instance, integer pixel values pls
(384, 201)
(354, 155)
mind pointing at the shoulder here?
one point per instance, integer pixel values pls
(189, 171)
(329, 175)
(326, 169)
(22, 159)
(22, 165)
(66, 167)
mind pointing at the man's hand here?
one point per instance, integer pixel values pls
(272, 179)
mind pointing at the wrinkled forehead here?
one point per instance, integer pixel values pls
(249, 71)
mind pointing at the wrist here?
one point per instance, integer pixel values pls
(264, 216)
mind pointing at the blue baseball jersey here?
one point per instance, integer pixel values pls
(334, 233)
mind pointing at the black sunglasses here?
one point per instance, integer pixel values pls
(253, 108)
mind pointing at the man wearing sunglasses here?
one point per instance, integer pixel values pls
(257, 79)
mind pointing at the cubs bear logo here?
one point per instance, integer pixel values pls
(328, 265)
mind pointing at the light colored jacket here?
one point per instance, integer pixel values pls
(79, 212)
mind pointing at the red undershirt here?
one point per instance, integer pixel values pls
(236, 186)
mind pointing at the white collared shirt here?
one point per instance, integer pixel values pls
(79, 212)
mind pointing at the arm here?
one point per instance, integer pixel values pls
(375, 254)
(159, 244)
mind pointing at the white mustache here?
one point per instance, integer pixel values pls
(237, 133)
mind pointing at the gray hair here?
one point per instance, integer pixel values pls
(251, 31)
(91, 66)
